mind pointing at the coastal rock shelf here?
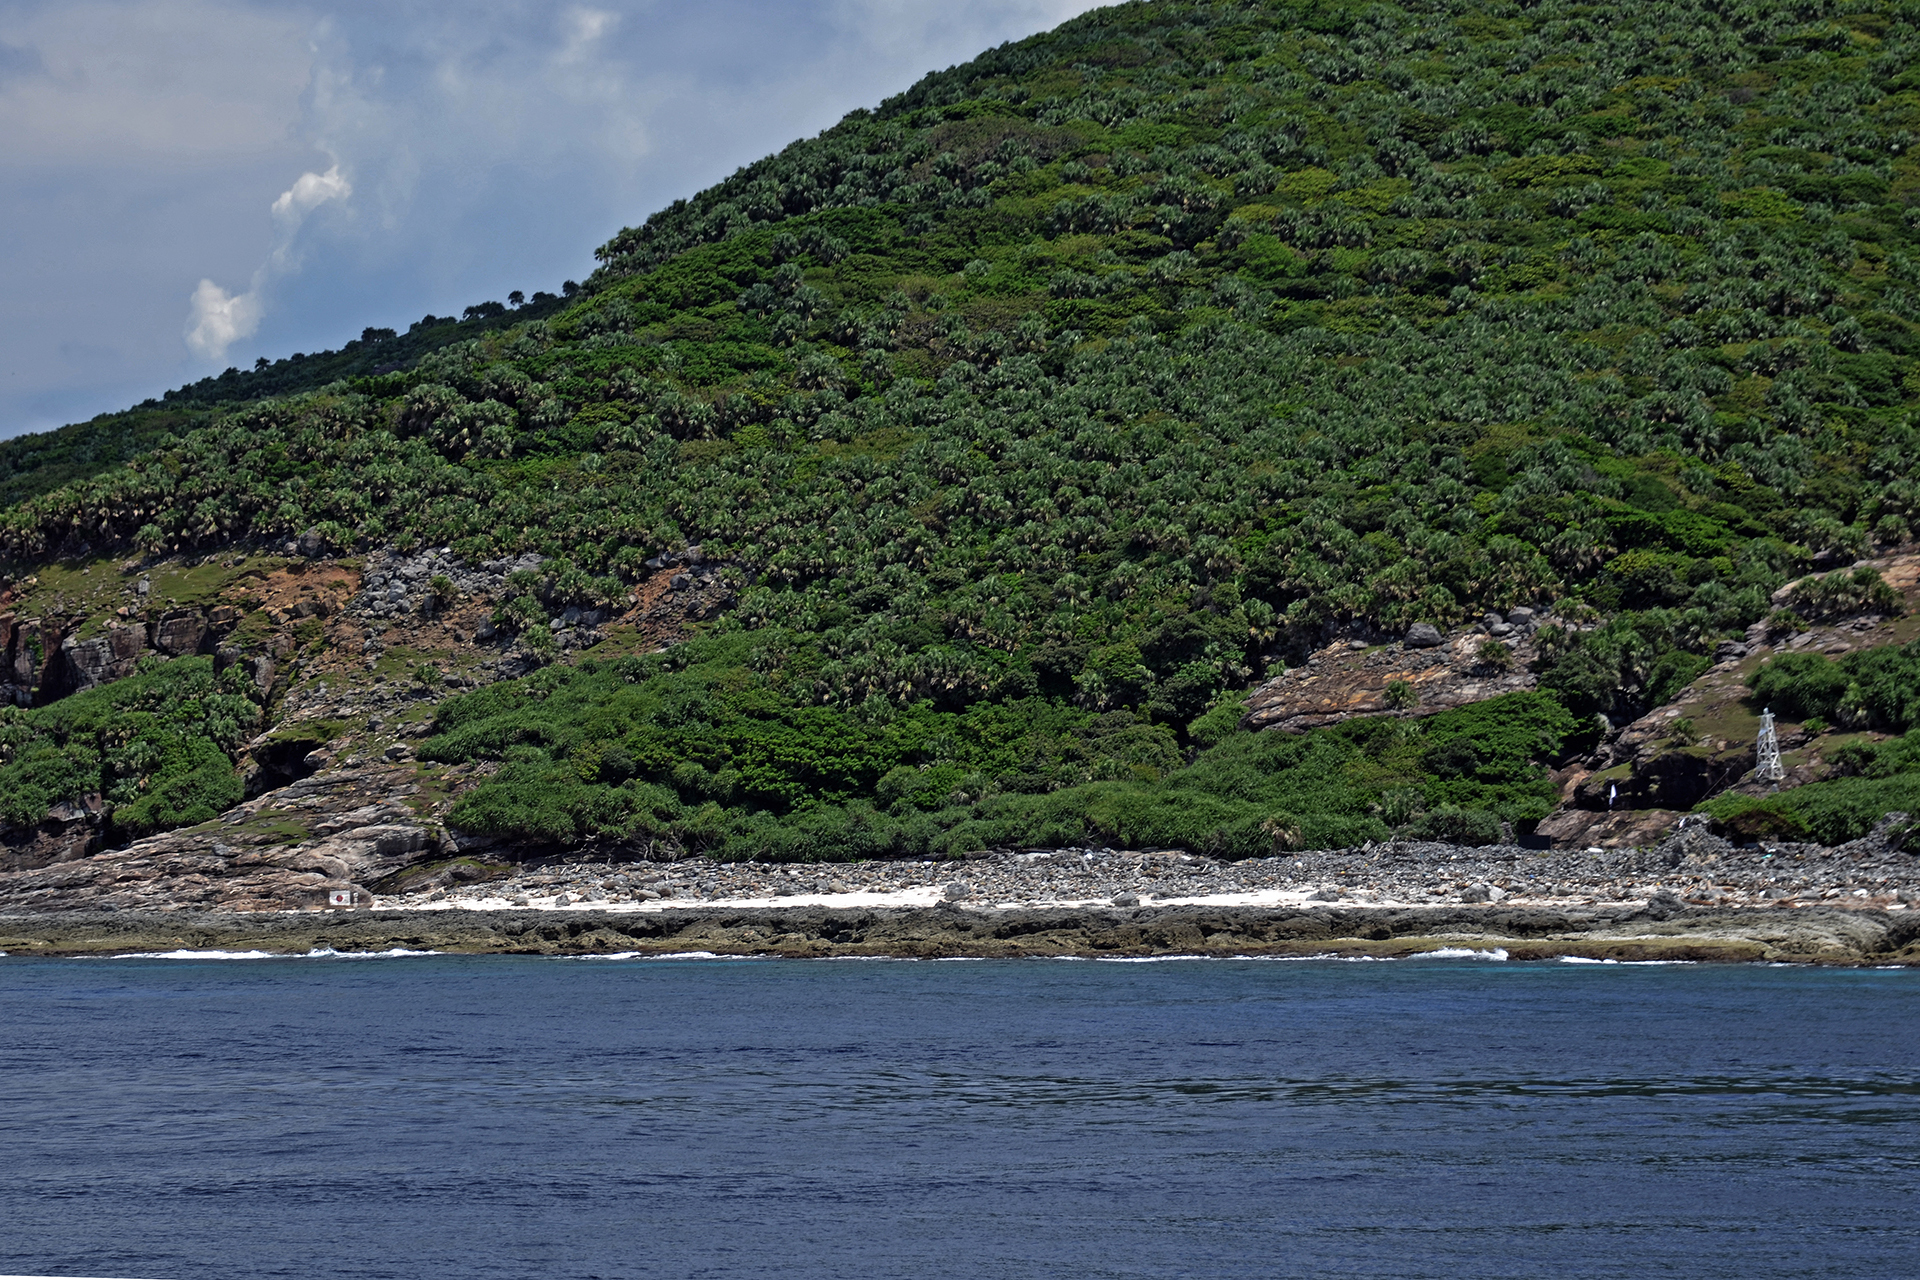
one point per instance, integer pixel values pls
(1817, 935)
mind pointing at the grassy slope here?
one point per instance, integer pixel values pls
(1073, 387)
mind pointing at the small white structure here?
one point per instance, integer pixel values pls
(339, 897)
(1767, 766)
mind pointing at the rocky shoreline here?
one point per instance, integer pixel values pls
(1693, 868)
(1807, 935)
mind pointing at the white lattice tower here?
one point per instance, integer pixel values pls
(1767, 766)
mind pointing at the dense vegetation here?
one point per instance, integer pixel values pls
(1877, 780)
(156, 747)
(34, 464)
(689, 748)
(1058, 398)
(1867, 689)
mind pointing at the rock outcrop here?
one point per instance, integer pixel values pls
(111, 655)
(1498, 931)
(71, 829)
(1352, 678)
(294, 847)
(25, 644)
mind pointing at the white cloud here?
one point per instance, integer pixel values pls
(218, 319)
(221, 319)
(907, 30)
(308, 192)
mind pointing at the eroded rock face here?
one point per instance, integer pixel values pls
(70, 830)
(111, 655)
(290, 848)
(1606, 829)
(1340, 682)
(1665, 779)
(179, 632)
(25, 646)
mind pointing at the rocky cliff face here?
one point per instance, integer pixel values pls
(298, 846)
(71, 829)
(1645, 776)
(48, 658)
(1423, 673)
(24, 646)
(351, 656)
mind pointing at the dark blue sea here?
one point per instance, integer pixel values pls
(443, 1116)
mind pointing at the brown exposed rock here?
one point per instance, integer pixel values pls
(1616, 829)
(1340, 682)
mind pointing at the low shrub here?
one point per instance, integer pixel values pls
(1843, 595)
(708, 754)
(157, 747)
(1866, 689)
(1454, 825)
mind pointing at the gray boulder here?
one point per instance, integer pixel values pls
(1424, 635)
(178, 632)
(107, 657)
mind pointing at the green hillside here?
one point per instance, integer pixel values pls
(1038, 412)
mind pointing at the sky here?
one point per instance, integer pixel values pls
(191, 184)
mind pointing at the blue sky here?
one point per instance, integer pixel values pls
(194, 183)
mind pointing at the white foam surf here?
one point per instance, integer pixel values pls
(1146, 959)
(1630, 963)
(188, 954)
(658, 955)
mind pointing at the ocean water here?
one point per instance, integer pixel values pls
(429, 1116)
